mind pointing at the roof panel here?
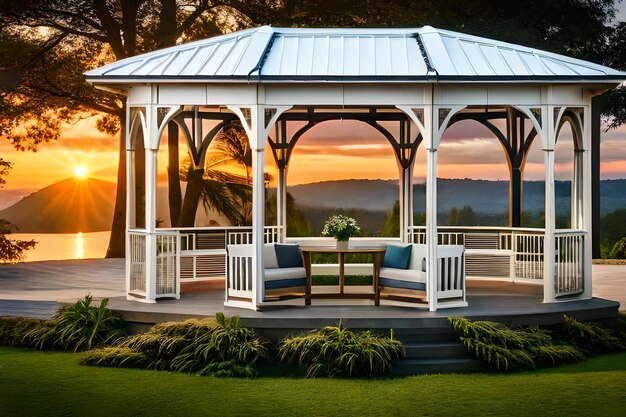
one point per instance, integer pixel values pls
(476, 58)
(320, 55)
(495, 60)
(289, 61)
(514, 62)
(367, 56)
(351, 46)
(383, 55)
(335, 55)
(317, 55)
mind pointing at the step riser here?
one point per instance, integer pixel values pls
(419, 352)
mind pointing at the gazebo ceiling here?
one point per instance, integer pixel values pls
(267, 54)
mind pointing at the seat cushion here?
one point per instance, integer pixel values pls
(284, 273)
(397, 256)
(411, 275)
(285, 283)
(405, 285)
(269, 256)
(288, 256)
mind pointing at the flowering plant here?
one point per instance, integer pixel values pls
(340, 227)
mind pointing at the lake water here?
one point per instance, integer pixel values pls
(54, 246)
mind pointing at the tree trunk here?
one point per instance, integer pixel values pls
(117, 240)
(173, 175)
(192, 197)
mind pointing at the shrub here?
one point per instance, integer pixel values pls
(203, 347)
(589, 337)
(505, 349)
(77, 327)
(13, 329)
(335, 350)
(619, 249)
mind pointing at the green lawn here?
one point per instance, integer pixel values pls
(48, 384)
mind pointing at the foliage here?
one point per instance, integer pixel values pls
(81, 326)
(114, 357)
(335, 350)
(12, 250)
(619, 249)
(297, 223)
(505, 349)
(462, 217)
(203, 347)
(13, 329)
(341, 227)
(589, 337)
(613, 227)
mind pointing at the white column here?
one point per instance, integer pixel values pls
(130, 210)
(281, 204)
(586, 217)
(549, 244)
(151, 244)
(431, 227)
(258, 223)
(577, 190)
(402, 202)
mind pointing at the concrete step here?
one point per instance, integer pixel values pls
(438, 366)
(436, 350)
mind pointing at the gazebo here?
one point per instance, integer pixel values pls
(423, 80)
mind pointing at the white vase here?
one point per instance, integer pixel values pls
(343, 244)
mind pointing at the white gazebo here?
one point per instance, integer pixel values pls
(423, 79)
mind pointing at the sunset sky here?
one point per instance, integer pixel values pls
(333, 150)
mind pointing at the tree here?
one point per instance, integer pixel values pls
(462, 217)
(10, 250)
(64, 39)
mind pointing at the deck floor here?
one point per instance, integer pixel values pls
(36, 289)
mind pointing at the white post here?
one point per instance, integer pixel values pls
(549, 210)
(281, 204)
(402, 202)
(258, 223)
(586, 217)
(130, 193)
(151, 246)
(431, 227)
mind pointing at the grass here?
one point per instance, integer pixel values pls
(52, 383)
(348, 280)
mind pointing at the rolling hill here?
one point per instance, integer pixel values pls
(68, 206)
(487, 197)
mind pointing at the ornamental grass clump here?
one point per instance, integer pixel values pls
(220, 347)
(341, 227)
(337, 351)
(13, 329)
(590, 338)
(503, 349)
(77, 327)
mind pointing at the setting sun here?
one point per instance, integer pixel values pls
(80, 172)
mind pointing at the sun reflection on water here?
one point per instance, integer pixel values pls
(80, 246)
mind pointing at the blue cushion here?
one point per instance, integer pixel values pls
(406, 285)
(288, 256)
(397, 257)
(285, 283)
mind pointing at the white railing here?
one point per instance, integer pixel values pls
(137, 262)
(240, 253)
(450, 272)
(167, 284)
(527, 256)
(166, 264)
(569, 265)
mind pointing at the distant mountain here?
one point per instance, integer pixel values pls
(68, 206)
(487, 197)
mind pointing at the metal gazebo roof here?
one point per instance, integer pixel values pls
(267, 54)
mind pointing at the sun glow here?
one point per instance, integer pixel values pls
(80, 172)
